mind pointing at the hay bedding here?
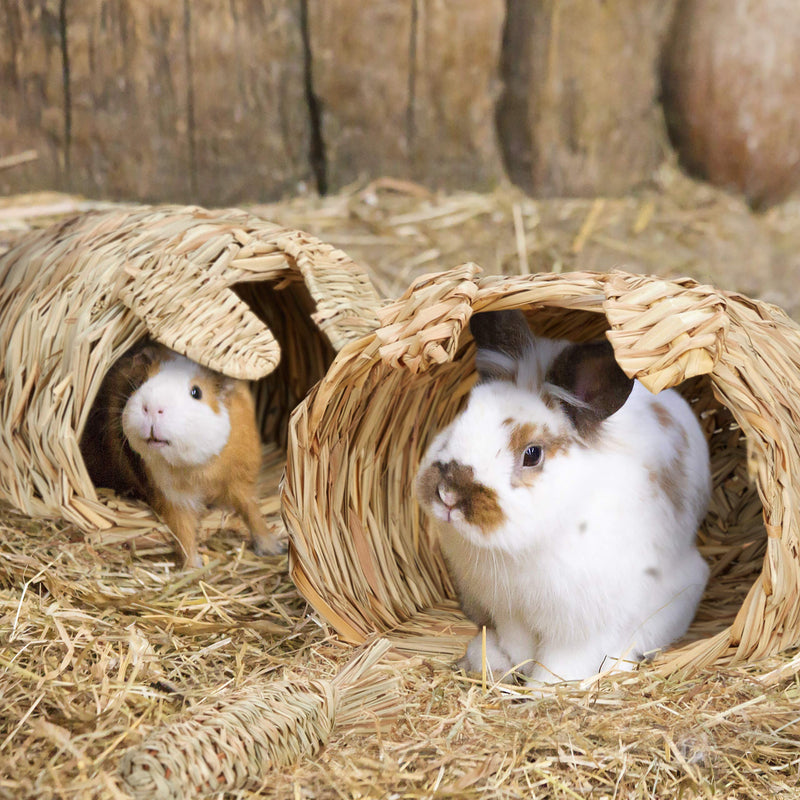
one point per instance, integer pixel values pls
(101, 647)
(106, 651)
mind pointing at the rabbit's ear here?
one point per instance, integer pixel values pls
(589, 383)
(502, 338)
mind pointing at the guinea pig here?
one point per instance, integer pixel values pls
(181, 437)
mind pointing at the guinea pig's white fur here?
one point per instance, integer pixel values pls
(165, 423)
(587, 561)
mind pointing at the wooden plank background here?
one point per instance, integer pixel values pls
(228, 101)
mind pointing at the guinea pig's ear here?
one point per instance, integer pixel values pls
(223, 385)
(145, 356)
(502, 338)
(589, 384)
(142, 357)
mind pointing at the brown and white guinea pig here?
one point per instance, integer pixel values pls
(181, 437)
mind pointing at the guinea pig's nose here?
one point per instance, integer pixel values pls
(155, 409)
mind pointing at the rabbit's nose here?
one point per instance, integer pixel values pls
(448, 496)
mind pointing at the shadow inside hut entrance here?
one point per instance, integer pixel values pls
(305, 353)
(732, 538)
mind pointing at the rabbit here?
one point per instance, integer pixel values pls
(567, 498)
(181, 437)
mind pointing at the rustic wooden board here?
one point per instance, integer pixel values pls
(31, 94)
(582, 116)
(407, 89)
(232, 101)
(200, 101)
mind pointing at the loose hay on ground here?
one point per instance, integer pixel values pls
(87, 674)
(671, 227)
(100, 646)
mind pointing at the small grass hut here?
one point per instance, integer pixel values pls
(363, 553)
(236, 293)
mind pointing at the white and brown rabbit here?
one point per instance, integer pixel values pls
(180, 437)
(567, 498)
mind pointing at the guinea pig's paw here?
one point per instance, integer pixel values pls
(269, 545)
(193, 562)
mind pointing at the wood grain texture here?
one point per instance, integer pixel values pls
(592, 107)
(199, 101)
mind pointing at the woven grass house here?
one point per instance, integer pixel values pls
(227, 289)
(363, 553)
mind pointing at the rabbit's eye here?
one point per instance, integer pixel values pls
(533, 456)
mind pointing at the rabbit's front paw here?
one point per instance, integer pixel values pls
(498, 662)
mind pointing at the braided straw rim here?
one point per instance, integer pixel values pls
(362, 553)
(77, 295)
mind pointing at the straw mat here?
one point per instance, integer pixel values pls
(363, 553)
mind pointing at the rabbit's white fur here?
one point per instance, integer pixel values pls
(587, 562)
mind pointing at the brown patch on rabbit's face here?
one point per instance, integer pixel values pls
(523, 435)
(451, 485)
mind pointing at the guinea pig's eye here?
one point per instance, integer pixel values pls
(196, 392)
(533, 456)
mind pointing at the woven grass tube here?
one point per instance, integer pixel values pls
(364, 554)
(229, 290)
(230, 743)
